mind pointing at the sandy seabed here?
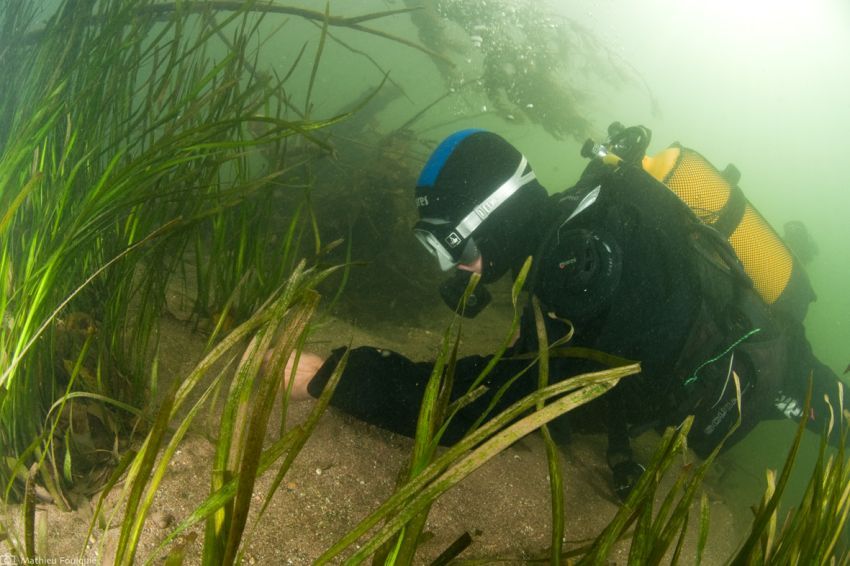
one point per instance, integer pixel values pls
(348, 468)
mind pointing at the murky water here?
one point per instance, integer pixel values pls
(765, 89)
(760, 88)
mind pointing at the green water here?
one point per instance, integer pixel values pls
(766, 89)
(757, 84)
(762, 86)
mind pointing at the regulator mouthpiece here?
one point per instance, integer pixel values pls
(452, 291)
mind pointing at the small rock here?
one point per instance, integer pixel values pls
(162, 519)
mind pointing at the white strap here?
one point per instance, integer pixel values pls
(474, 219)
(588, 199)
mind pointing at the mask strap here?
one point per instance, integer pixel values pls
(480, 213)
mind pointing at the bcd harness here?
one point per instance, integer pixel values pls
(732, 323)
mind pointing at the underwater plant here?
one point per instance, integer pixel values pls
(139, 142)
(125, 147)
(243, 450)
(651, 524)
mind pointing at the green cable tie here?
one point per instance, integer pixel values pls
(694, 376)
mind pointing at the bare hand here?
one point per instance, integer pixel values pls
(308, 365)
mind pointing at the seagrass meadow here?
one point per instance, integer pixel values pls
(191, 192)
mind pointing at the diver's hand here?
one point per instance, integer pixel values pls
(302, 374)
(626, 475)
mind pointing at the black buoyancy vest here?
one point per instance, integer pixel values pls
(679, 296)
(621, 270)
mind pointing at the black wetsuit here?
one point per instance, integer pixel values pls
(638, 276)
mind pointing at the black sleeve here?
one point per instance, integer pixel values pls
(825, 384)
(378, 386)
(385, 389)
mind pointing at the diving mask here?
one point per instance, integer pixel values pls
(453, 245)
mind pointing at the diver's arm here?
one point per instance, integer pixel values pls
(377, 386)
(826, 385)
(385, 389)
(790, 402)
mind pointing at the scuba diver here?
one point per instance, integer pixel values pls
(627, 264)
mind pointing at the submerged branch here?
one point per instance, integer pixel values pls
(237, 5)
(200, 6)
(369, 58)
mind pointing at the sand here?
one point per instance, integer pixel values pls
(348, 468)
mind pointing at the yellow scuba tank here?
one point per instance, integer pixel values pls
(717, 200)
